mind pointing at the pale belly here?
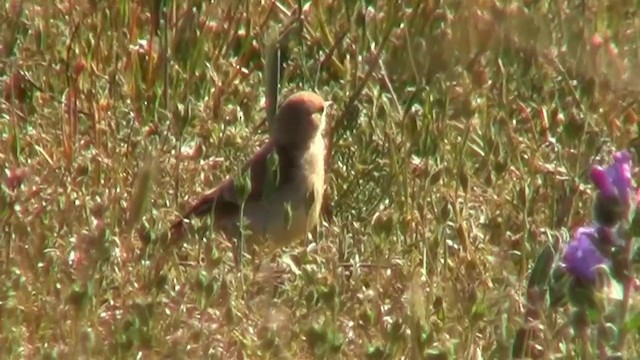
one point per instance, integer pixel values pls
(281, 220)
(291, 212)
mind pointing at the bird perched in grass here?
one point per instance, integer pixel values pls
(279, 190)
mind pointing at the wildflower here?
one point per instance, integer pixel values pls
(582, 256)
(616, 197)
(616, 179)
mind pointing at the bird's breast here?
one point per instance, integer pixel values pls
(293, 210)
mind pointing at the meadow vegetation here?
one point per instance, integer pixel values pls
(461, 139)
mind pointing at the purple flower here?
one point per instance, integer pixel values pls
(615, 180)
(581, 256)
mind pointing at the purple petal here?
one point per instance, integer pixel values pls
(581, 256)
(619, 174)
(615, 179)
(602, 181)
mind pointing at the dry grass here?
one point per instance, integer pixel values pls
(461, 139)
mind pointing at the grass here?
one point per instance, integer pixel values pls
(463, 132)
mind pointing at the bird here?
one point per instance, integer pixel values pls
(278, 194)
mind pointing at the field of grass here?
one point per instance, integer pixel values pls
(462, 137)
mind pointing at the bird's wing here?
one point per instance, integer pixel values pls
(223, 200)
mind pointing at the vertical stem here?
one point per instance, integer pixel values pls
(584, 338)
(240, 246)
(581, 324)
(602, 339)
(628, 282)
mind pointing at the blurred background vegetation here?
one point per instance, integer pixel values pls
(462, 135)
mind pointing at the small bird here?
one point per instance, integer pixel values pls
(286, 178)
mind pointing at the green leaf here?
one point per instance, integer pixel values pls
(243, 186)
(558, 288)
(582, 296)
(616, 290)
(542, 269)
(633, 323)
(288, 215)
(634, 227)
(272, 179)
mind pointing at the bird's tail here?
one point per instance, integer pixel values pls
(177, 232)
(178, 228)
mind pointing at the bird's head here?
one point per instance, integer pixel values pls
(300, 119)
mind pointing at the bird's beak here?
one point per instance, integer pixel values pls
(323, 119)
(326, 108)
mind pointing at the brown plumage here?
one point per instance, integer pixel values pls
(284, 202)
